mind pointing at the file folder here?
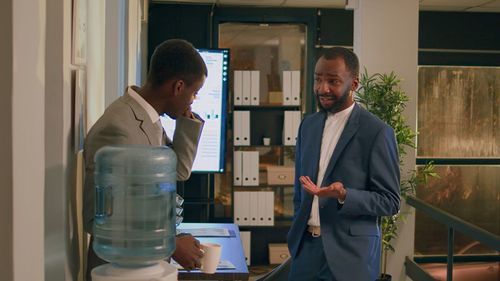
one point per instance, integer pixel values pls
(254, 168)
(262, 201)
(296, 119)
(250, 168)
(241, 128)
(269, 219)
(287, 87)
(288, 138)
(246, 88)
(246, 239)
(237, 121)
(237, 168)
(238, 87)
(255, 87)
(245, 128)
(237, 208)
(241, 208)
(295, 88)
(254, 208)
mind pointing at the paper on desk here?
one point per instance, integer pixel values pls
(223, 264)
(206, 232)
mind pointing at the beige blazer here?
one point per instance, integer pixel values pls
(126, 122)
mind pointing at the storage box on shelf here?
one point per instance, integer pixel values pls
(280, 175)
(278, 253)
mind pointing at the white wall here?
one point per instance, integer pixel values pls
(386, 39)
(25, 254)
(36, 163)
(38, 238)
(115, 46)
(61, 239)
(95, 60)
(115, 52)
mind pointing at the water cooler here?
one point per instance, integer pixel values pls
(134, 225)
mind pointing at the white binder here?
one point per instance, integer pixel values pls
(237, 168)
(255, 87)
(241, 207)
(288, 138)
(238, 87)
(237, 208)
(241, 128)
(269, 219)
(245, 128)
(287, 87)
(246, 239)
(246, 88)
(250, 168)
(254, 208)
(254, 168)
(237, 121)
(295, 91)
(296, 119)
(262, 208)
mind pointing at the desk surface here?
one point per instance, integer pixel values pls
(232, 250)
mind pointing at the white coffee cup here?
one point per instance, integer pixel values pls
(266, 141)
(211, 257)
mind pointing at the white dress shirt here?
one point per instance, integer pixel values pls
(334, 126)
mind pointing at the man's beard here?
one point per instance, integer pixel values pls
(337, 105)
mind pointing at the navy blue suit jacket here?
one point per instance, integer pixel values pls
(366, 161)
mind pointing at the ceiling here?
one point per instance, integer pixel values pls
(425, 5)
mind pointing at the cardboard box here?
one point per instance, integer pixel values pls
(278, 253)
(276, 97)
(280, 175)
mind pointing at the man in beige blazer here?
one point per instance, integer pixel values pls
(176, 73)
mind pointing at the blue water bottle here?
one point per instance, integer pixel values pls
(135, 204)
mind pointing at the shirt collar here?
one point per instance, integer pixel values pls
(344, 113)
(144, 104)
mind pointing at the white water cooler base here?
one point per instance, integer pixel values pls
(162, 271)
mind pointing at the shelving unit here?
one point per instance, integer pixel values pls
(264, 60)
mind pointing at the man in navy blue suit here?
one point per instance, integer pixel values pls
(346, 177)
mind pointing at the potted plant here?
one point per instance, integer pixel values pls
(381, 94)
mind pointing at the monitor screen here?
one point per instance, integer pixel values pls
(210, 104)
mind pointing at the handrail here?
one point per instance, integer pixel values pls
(479, 234)
(453, 223)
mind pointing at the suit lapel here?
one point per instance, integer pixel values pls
(142, 117)
(350, 129)
(312, 149)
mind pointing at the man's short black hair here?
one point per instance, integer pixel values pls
(350, 58)
(175, 59)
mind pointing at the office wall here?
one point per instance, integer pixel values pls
(96, 61)
(22, 144)
(61, 237)
(35, 143)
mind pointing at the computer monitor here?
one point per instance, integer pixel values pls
(210, 104)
